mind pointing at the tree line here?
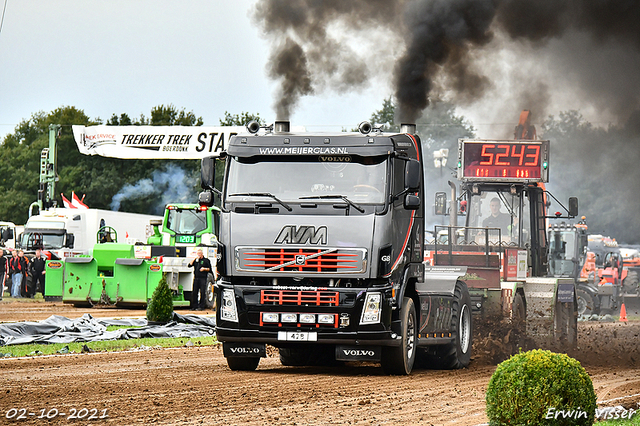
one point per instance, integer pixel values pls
(598, 165)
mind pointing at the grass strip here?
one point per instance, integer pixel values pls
(33, 349)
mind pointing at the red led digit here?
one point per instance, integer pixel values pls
(534, 156)
(519, 155)
(487, 154)
(504, 154)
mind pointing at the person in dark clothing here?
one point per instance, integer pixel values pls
(497, 218)
(202, 268)
(37, 272)
(3, 273)
(18, 266)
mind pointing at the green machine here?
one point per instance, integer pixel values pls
(126, 274)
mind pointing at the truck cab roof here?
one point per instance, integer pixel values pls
(294, 144)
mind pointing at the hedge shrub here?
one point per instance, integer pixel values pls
(540, 387)
(160, 307)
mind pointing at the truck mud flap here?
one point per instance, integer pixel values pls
(358, 353)
(250, 350)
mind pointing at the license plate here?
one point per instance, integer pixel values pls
(298, 336)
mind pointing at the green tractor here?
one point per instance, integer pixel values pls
(127, 274)
(185, 228)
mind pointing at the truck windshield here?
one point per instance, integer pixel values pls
(186, 221)
(360, 179)
(31, 240)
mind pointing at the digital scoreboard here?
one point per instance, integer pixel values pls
(508, 161)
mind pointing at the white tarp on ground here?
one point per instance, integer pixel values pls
(162, 142)
(58, 329)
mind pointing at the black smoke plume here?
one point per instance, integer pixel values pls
(590, 46)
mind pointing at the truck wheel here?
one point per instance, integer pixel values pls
(630, 283)
(210, 300)
(237, 363)
(585, 303)
(294, 357)
(399, 360)
(457, 354)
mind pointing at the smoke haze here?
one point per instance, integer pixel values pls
(542, 55)
(173, 185)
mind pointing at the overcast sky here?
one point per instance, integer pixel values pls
(127, 56)
(208, 56)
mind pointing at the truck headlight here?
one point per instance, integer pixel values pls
(326, 318)
(289, 317)
(270, 317)
(372, 310)
(308, 318)
(228, 311)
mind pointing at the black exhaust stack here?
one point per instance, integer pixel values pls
(408, 128)
(282, 126)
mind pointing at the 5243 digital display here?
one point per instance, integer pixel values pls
(504, 160)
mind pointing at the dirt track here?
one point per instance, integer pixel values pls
(193, 386)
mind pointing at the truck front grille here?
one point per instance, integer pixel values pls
(299, 297)
(301, 260)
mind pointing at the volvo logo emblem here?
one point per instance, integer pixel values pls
(301, 259)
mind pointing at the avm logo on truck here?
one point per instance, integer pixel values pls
(292, 234)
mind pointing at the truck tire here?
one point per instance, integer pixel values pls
(630, 283)
(294, 357)
(210, 295)
(585, 303)
(237, 363)
(399, 360)
(457, 354)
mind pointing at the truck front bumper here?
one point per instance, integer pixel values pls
(285, 316)
(281, 337)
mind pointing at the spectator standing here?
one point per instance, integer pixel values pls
(23, 264)
(15, 274)
(3, 273)
(202, 267)
(37, 272)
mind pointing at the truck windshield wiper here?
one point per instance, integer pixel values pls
(329, 197)
(261, 194)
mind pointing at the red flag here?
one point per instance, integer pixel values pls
(67, 204)
(77, 203)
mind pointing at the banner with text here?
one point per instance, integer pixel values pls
(169, 142)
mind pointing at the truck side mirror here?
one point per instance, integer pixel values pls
(205, 198)
(207, 172)
(441, 203)
(573, 206)
(411, 202)
(70, 240)
(412, 175)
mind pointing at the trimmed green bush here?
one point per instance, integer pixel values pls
(540, 388)
(160, 308)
